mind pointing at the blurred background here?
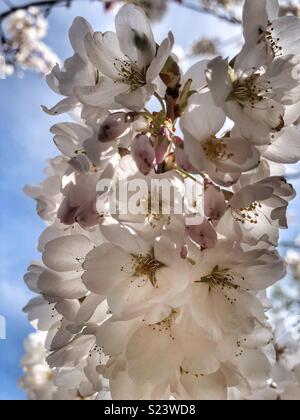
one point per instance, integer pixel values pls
(25, 144)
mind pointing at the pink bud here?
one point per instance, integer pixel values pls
(114, 126)
(87, 215)
(182, 161)
(178, 142)
(143, 153)
(184, 252)
(162, 145)
(66, 213)
(203, 235)
(214, 201)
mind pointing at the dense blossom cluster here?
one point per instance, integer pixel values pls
(24, 46)
(284, 383)
(163, 213)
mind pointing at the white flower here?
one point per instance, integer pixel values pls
(77, 72)
(128, 60)
(268, 36)
(160, 249)
(26, 29)
(222, 159)
(149, 207)
(37, 379)
(134, 273)
(256, 212)
(43, 383)
(227, 274)
(48, 193)
(255, 99)
(284, 381)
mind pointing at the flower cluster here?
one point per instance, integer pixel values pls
(24, 46)
(284, 383)
(164, 209)
(42, 383)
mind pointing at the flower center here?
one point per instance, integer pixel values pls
(216, 150)
(146, 266)
(223, 280)
(166, 325)
(247, 214)
(247, 91)
(157, 122)
(155, 211)
(129, 73)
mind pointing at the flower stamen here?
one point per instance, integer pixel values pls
(146, 266)
(224, 281)
(248, 92)
(216, 150)
(247, 214)
(129, 73)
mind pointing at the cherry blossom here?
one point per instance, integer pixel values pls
(163, 221)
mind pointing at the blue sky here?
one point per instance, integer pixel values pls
(25, 144)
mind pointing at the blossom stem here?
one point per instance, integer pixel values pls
(161, 101)
(185, 174)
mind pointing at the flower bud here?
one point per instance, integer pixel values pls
(114, 126)
(214, 201)
(203, 234)
(184, 252)
(87, 215)
(143, 153)
(182, 161)
(162, 145)
(66, 213)
(178, 142)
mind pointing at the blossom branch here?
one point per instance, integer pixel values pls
(49, 4)
(208, 11)
(122, 274)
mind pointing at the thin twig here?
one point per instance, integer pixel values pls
(207, 11)
(37, 3)
(53, 3)
(161, 101)
(48, 5)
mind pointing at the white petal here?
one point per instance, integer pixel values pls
(105, 267)
(218, 80)
(62, 107)
(286, 148)
(135, 35)
(204, 119)
(257, 14)
(163, 53)
(104, 53)
(67, 253)
(77, 33)
(73, 353)
(136, 100)
(197, 74)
